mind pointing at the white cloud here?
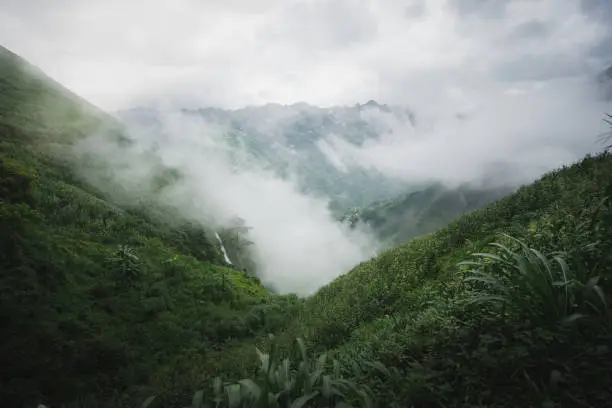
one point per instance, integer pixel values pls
(298, 245)
(324, 52)
(534, 128)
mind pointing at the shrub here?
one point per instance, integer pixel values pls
(125, 265)
(537, 287)
(308, 382)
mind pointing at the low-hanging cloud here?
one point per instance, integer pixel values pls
(528, 129)
(298, 245)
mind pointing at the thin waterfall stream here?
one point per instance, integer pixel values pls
(223, 249)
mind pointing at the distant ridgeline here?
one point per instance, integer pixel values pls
(421, 212)
(293, 140)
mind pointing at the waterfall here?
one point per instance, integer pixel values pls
(223, 249)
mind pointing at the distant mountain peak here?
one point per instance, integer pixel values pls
(373, 104)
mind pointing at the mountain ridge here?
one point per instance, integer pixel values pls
(291, 140)
(423, 211)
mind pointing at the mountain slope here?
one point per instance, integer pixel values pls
(421, 212)
(410, 307)
(80, 273)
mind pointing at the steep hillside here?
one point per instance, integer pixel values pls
(95, 298)
(421, 212)
(516, 328)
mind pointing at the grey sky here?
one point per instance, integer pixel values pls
(234, 53)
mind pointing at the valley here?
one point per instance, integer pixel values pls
(134, 268)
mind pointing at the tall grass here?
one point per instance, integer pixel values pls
(606, 136)
(538, 288)
(308, 382)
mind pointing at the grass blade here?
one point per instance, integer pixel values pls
(147, 403)
(198, 399)
(301, 401)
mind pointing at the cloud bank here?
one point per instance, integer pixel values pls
(298, 245)
(239, 52)
(501, 137)
(512, 68)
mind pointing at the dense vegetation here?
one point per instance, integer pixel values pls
(414, 309)
(107, 305)
(93, 297)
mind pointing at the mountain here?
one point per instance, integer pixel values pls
(418, 213)
(104, 304)
(95, 295)
(292, 141)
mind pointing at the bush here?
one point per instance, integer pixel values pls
(538, 288)
(125, 265)
(307, 382)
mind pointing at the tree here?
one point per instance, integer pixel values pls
(236, 243)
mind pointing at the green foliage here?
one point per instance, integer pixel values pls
(307, 382)
(125, 265)
(421, 212)
(449, 334)
(236, 241)
(97, 299)
(538, 288)
(605, 138)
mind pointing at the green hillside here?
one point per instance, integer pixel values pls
(421, 212)
(106, 305)
(93, 297)
(496, 340)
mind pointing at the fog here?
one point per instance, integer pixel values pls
(298, 245)
(527, 130)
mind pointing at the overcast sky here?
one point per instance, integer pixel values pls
(236, 52)
(512, 68)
